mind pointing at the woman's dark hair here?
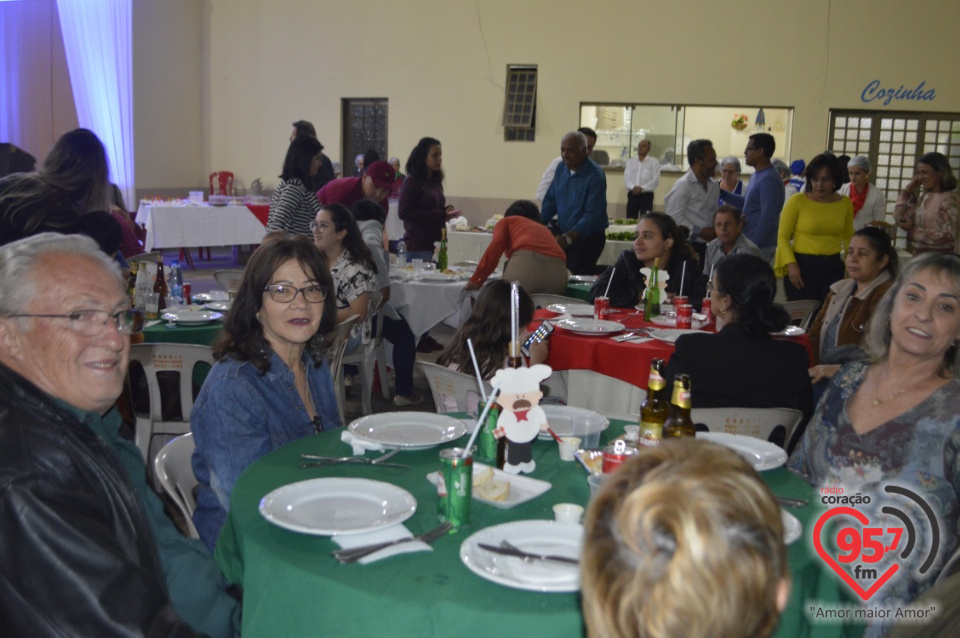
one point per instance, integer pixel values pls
(939, 163)
(116, 198)
(300, 154)
(488, 328)
(880, 243)
(103, 229)
(242, 336)
(367, 209)
(832, 164)
(668, 228)
(353, 241)
(749, 282)
(77, 165)
(369, 157)
(417, 162)
(523, 208)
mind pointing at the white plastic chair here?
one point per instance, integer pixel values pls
(761, 423)
(367, 357)
(166, 357)
(174, 472)
(452, 391)
(801, 312)
(339, 338)
(542, 300)
(228, 280)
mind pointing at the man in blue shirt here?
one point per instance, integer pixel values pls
(763, 201)
(577, 197)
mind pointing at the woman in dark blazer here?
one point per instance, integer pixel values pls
(742, 366)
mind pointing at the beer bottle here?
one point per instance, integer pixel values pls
(655, 409)
(132, 283)
(651, 304)
(160, 285)
(442, 255)
(680, 424)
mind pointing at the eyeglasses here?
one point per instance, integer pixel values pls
(282, 293)
(314, 225)
(91, 323)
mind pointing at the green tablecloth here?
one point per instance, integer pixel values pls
(293, 587)
(171, 333)
(579, 291)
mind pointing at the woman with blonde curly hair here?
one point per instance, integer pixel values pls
(684, 540)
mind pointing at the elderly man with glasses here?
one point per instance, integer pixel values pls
(85, 547)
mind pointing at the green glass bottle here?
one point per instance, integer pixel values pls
(651, 305)
(442, 255)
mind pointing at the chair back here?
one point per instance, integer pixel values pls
(452, 391)
(174, 472)
(162, 359)
(801, 312)
(221, 183)
(776, 425)
(367, 357)
(228, 280)
(338, 340)
(542, 300)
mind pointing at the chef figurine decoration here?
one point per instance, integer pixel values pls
(521, 418)
(662, 277)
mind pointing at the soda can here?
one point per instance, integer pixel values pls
(684, 317)
(705, 309)
(187, 289)
(455, 487)
(614, 455)
(679, 300)
(601, 307)
(486, 441)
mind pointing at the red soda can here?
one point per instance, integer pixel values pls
(705, 309)
(614, 455)
(187, 289)
(679, 300)
(601, 307)
(684, 316)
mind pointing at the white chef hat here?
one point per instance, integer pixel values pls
(522, 380)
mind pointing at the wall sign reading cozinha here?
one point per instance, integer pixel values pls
(872, 92)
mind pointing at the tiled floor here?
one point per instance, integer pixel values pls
(201, 279)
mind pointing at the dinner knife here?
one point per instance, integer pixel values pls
(518, 553)
(358, 461)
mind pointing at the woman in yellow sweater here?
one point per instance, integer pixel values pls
(815, 227)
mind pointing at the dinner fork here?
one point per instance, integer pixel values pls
(354, 554)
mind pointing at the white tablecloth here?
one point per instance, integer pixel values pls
(469, 246)
(189, 226)
(425, 305)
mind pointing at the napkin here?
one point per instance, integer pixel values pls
(150, 324)
(349, 541)
(359, 445)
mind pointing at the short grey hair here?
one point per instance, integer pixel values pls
(731, 160)
(580, 137)
(782, 168)
(18, 284)
(878, 336)
(860, 161)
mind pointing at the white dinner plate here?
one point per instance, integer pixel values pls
(219, 306)
(200, 297)
(670, 335)
(582, 279)
(408, 430)
(572, 309)
(439, 277)
(762, 455)
(590, 326)
(789, 331)
(539, 537)
(522, 488)
(792, 528)
(328, 506)
(560, 418)
(193, 316)
(670, 321)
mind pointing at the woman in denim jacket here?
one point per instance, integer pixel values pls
(270, 385)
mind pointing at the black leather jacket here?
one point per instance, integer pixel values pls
(628, 283)
(77, 557)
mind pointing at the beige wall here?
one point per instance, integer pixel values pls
(441, 64)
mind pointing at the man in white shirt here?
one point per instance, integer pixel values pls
(693, 199)
(547, 178)
(641, 177)
(730, 240)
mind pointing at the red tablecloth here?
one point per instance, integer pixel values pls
(261, 211)
(627, 361)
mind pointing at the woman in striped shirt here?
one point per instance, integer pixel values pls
(294, 204)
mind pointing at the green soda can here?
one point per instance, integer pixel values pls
(455, 487)
(486, 442)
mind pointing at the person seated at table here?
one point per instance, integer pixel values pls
(684, 539)
(131, 244)
(658, 238)
(535, 261)
(836, 332)
(896, 417)
(336, 234)
(370, 217)
(742, 366)
(270, 384)
(730, 240)
(488, 327)
(294, 204)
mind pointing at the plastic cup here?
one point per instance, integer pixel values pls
(196, 197)
(587, 429)
(595, 481)
(567, 512)
(417, 268)
(570, 445)
(152, 305)
(631, 433)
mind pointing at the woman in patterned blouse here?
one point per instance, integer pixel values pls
(928, 206)
(294, 204)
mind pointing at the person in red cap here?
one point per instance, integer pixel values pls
(374, 184)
